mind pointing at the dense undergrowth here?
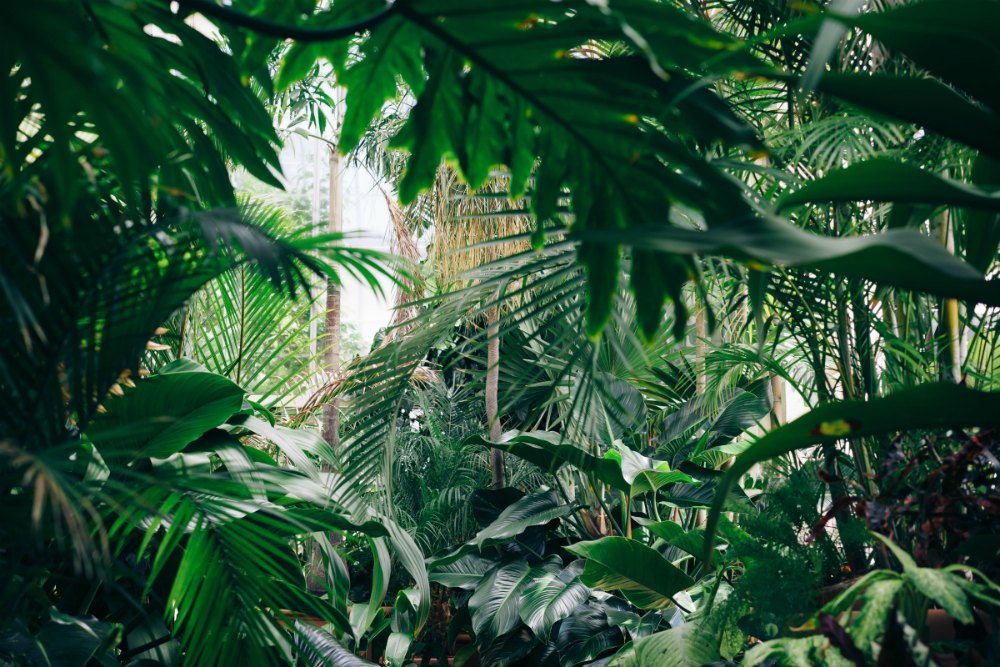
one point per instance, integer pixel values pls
(652, 227)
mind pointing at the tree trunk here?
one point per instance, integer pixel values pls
(778, 410)
(497, 472)
(331, 353)
(316, 579)
(948, 316)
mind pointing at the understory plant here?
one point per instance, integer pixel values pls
(680, 215)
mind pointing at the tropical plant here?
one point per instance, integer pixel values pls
(817, 188)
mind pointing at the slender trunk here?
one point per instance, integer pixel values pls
(701, 379)
(316, 578)
(778, 410)
(949, 325)
(854, 549)
(497, 472)
(314, 290)
(701, 333)
(331, 353)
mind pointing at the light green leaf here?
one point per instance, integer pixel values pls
(939, 586)
(644, 576)
(692, 644)
(164, 413)
(548, 599)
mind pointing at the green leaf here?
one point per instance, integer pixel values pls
(650, 481)
(494, 604)
(981, 228)
(797, 652)
(939, 586)
(586, 634)
(320, 647)
(465, 573)
(847, 599)
(901, 258)
(72, 640)
(363, 615)
(692, 644)
(432, 130)
(645, 577)
(961, 38)
(925, 102)
(164, 413)
(689, 541)
(889, 180)
(535, 510)
(877, 602)
(547, 451)
(550, 598)
(408, 553)
(392, 50)
(938, 405)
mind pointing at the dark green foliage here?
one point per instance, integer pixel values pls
(783, 573)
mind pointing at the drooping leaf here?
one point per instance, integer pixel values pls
(466, 572)
(494, 604)
(322, 648)
(938, 585)
(890, 180)
(585, 635)
(164, 413)
(549, 599)
(936, 405)
(537, 509)
(692, 644)
(645, 577)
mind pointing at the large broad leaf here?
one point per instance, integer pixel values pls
(963, 34)
(692, 644)
(703, 493)
(550, 598)
(939, 586)
(890, 180)
(621, 468)
(494, 605)
(922, 101)
(690, 541)
(487, 504)
(877, 602)
(513, 648)
(548, 451)
(937, 405)
(164, 413)
(534, 510)
(585, 635)
(321, 648)
(644, 576)
(466, 572)
(959, 37)
(901, 258)
(981, 228)
(71, 640)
